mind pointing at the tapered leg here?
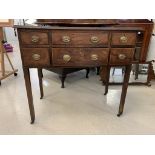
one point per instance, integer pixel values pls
(29, 93)
(87, 72)
(136, 71)
(40, 76)
(124, 89)
(103, 73)
(107, 80)
(113, 72)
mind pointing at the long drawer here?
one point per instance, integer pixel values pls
(80, 38)
(79, 57)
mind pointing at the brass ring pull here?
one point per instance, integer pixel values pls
(36, 57)
(94, 39)
(94, 57)
(123, 39)
(122, 56)
(35, 39)
(66, 39)
(66, 58)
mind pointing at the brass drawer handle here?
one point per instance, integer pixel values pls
(122, 56)
(94, 39)
(36, 57)
(66, 58)
(123, 39)
(66, 39)
(94, 57)
(35, 39)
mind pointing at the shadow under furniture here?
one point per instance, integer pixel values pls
(62, 72)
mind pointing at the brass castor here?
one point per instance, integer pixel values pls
(119, 114)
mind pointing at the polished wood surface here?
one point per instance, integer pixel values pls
(80, 38)
(35, 57)
(123, 38)
(145, 24)
(35, 38)
(126, 53)
(80, 57)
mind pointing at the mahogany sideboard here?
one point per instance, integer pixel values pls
(76, 47)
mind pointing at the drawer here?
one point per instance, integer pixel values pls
(123, 38)
(34, 38)
(121, 55)
(80, 38)
(35, 57)
(79, 57)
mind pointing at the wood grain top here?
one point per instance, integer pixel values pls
(90, 21)
(79, 28)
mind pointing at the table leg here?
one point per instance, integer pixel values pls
(98, 70)
(136, 71)
(62, 77)
(29, 93)
(150, 69)
(40, 75)
(124, 89)
(87, 72)
(107, 80)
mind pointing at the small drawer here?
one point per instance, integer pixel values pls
(123, 38)
(35, 57)
(79, 57)
(34, 38)
(80, 38)
(121, 55)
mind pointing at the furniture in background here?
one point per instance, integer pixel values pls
(122, 69)
(141, 51)
(83, 45)
(64, 71)
(3, 72)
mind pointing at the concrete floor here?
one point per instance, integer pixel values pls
(80, 108)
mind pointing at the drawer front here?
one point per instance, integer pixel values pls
(79, 57)
(121, 55)
(76, 38)
(34, 38)
(35, 57)
(123, 38)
